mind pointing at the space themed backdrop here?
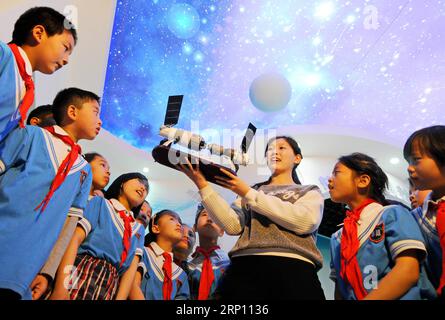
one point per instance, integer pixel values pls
(376, 66)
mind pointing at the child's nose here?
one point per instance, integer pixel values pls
(65, 60)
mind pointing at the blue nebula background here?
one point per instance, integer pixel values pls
(374, 66)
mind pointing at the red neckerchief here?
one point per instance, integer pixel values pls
(64, 168)
(350, 269)
(28, 99)
(167, 286)
(207, 275)
(126, 240)
(440, 226)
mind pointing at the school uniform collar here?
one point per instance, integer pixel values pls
(430, 202)
(28, 66)
(120, 207)
(366, 216)
(216, 252)
(158, 251)
(60, 130)
(369, 218)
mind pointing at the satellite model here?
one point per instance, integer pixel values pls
(195, 144)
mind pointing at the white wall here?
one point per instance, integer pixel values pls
(87, 65)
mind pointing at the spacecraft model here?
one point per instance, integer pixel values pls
(194, 146)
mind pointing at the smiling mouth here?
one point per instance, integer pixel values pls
(139, 193)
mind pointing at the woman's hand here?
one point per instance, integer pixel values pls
(194, 174)
(233, 183)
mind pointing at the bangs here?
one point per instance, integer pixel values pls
(417, 141)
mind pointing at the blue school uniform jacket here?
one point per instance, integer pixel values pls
(29, 160)
(384, 233)
(104, 230)
(153, 276)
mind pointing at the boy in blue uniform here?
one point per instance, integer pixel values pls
(208, 262)
(425, 152)
(379, 251)
(40, 42)
(43, 178)
(158, 277)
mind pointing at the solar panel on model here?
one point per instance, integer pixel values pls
(248, 137)
(173, 110)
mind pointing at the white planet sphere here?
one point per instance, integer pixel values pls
(270, 92)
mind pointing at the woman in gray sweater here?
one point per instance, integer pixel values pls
(275, 256)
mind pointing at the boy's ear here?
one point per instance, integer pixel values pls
(71, 112)
(38, 33)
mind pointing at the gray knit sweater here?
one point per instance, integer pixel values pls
(277, 220)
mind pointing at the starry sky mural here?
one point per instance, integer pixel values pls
(376, 66)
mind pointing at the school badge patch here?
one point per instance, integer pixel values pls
(378, 234)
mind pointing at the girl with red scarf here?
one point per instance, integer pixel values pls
(106, 246)
(378, 252)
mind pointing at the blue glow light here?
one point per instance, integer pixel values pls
(183, 20)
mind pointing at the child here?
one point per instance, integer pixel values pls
(101, 171)
(277, 222)
(425, 152)
(209, 261)
(107, 244)
(416, 196)
(183, 249)
(40, 42)
(43, 178)
(144, 215)
(41, 116)
(377, 253)
(101, 175)
(158, 277)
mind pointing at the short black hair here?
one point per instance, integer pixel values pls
(90, 156)
(53, 21)
(40, 112)
(150, 237)
(70, 96)
(431, 140)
